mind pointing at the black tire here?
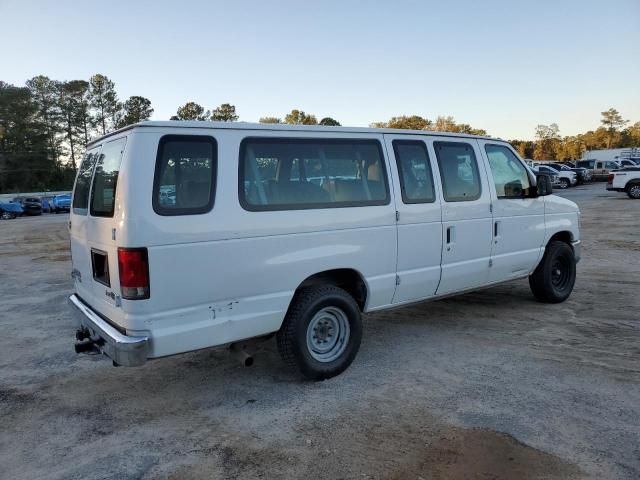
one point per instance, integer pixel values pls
(554, 278)
(292, 338)
(633, 191)
(564, 183)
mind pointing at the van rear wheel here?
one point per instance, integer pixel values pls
(321, 332)
(554, 278)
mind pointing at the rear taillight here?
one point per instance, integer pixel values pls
(610, 179)
(133, 264)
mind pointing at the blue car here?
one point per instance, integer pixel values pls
(9, 211)
(46, 204)
(61, 203)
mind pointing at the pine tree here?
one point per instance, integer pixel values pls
(135, 109)
(224, 113)
(104, 101)
(191, 111)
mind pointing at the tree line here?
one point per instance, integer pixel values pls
(614, 132)
(45, 125)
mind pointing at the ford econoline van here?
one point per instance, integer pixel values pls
(189, 235)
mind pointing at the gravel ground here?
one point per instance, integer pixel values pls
(486, 385)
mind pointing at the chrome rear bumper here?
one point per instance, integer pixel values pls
(95, 332)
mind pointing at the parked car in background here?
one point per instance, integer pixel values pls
(626, 162)
(625, 180)
(46, 204)
(61, 203)
(10, 210)
(30, 205)
(553, 177)
(582, 174)
(599, 168)
(566, 178)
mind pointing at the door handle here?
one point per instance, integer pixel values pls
(497, 227)
(450, 237)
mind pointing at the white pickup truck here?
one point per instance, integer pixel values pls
(625, 180)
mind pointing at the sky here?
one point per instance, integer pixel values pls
(505, 66)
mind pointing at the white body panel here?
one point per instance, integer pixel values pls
(465, 257)
(230, 274)
(518, 232)
(622, 177)
(419, 230)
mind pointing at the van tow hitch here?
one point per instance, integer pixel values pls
(85, 344)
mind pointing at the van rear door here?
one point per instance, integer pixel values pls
(101, 231)
(81, 261)
(94, 233)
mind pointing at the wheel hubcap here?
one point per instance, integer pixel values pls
(635, 192)
(328, 334)
(560, 273)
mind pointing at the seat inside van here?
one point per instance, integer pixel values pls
(195, 194)
(288, 192)
(305, 173)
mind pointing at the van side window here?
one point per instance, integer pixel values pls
(458, 170)
(509, 174)
(185, 177)
(105, 178)
(295, 173)
(416, 179)
(83, 182)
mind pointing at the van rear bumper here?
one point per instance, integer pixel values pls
(96, 334)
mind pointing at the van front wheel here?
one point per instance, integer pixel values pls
(321, 332)
(553, 279)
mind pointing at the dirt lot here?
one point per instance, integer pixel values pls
(489, 385)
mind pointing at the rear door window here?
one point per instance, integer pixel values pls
(416, 180)
(185, 177)
(105, 178)
(83, 182)
(458, 170)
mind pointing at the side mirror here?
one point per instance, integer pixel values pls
(514, 189)
(544, 185)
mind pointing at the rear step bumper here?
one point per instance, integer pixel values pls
(96, 334)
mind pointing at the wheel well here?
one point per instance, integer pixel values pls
(565, 237)
(634, 181)
(346, 278)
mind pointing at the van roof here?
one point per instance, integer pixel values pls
(283, 127)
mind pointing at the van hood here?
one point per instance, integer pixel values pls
(556, 204)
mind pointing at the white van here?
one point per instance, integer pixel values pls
(188, 235)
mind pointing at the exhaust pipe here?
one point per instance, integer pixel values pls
(241, 355)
